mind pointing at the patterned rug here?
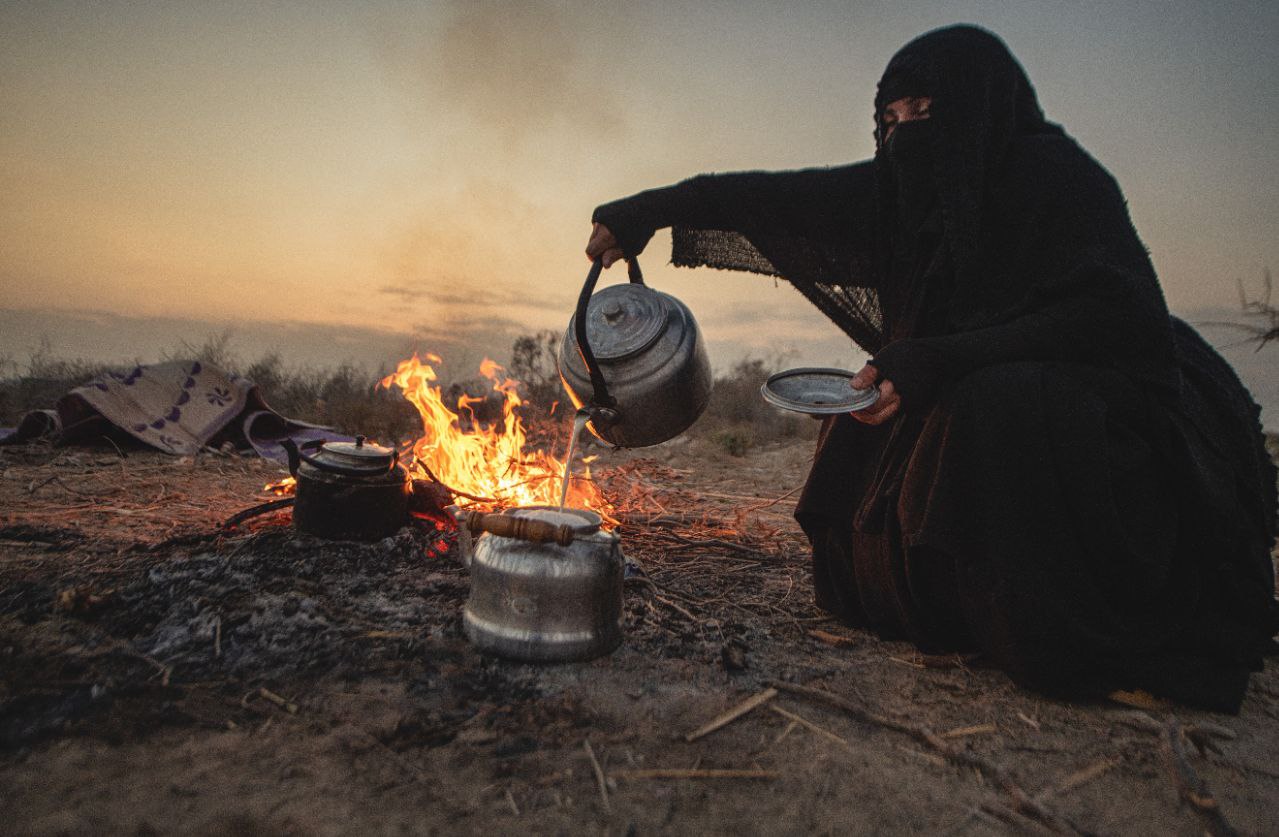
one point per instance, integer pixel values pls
(179, 407)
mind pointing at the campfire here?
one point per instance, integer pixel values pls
(485, 462)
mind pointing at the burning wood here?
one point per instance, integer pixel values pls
(485, 464)
(475, 457)
(282, 488)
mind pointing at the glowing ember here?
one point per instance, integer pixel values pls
(284, 488)
(489, 463)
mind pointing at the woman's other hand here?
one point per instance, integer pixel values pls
(603, 245)
(889, 401)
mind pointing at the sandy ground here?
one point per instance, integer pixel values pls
(136, 644)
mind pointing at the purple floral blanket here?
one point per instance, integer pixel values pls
(179, 407)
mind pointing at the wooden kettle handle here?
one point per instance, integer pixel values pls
(520, 528)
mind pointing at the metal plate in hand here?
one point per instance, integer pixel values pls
(817, 391)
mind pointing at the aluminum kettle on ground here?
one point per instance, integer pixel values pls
(634, 361)
(546, 584)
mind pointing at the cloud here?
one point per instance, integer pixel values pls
(492, 298)
(405, 294)
(468, 325)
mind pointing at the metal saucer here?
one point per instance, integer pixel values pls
(817, 391)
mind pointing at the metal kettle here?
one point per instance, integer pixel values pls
(634, 362)
(546, 585)
(348, 490)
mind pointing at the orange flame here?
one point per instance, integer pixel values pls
(486, 460)
(283, 488)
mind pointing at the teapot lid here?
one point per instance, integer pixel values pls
(624, 320)
(358, 457)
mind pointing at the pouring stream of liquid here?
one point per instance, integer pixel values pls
(579, 422)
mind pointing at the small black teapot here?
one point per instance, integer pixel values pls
(348, 490)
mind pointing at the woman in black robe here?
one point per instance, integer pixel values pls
(1058, 473)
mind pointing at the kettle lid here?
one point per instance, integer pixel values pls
(358, 457)
(624, 320)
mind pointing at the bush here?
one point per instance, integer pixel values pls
(349, 398)
(738, 418)
(735, 440)
(44, 379)
(535, 364)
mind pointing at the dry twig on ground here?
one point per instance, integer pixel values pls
(1191, 787)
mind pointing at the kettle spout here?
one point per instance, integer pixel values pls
(602, 417)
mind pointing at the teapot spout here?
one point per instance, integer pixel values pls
(602, 418)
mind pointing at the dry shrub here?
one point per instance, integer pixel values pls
(1261, 308)
(534, 363)
(739, 419)
(41, 381)
(349, 398)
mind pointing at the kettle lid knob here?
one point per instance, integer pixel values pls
(624, 320)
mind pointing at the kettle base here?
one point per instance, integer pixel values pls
(539, 646)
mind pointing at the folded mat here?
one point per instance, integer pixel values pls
(178, 407)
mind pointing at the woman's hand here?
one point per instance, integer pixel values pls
(889, 401)
(603, 246)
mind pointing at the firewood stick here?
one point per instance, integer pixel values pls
(712, 542)
(677, 608)
(599, 775)
(1203, 735)
(287, 706)
(791, 727)
(1190, 785)
(452, 490)
(1212, 730)
(964, 732)
(1079, 778)
(809, 725)
(733, 714)
(931, 758)
(255, 511)
(833, 640)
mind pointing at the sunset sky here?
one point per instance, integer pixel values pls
(429, 168)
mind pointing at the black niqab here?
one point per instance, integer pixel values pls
(911, 179)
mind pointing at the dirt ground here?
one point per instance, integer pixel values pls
(158, 675)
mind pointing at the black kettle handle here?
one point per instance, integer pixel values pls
(600, 397)
(297, 455)
(294, 455)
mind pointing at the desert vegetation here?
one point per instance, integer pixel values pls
(348, 397)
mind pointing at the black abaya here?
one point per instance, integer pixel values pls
(1076, 484)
